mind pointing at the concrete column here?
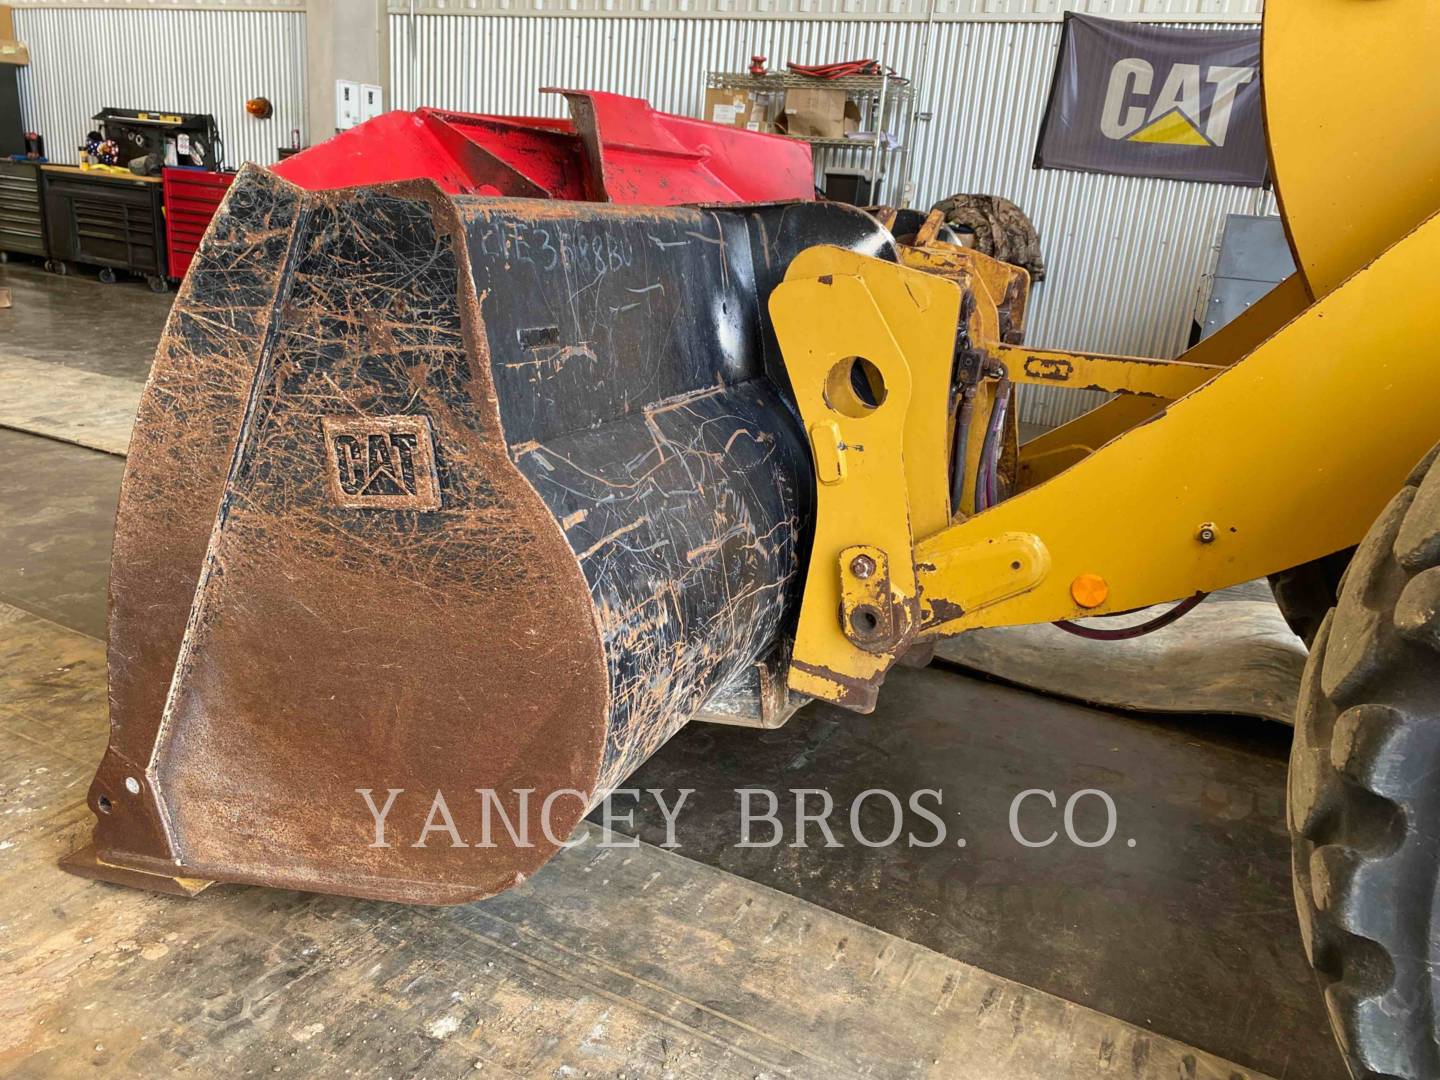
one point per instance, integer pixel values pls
(344, 39)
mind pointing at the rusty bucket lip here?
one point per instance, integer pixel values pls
(164, 849)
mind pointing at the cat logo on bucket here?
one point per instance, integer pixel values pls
(1136, 112)
(381, 463)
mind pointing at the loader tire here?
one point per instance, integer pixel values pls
(1364, 795)
(1306, 593)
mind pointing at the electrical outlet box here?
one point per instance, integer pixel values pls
(372, 101)
(347, 104)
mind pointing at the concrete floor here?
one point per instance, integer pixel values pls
(1189, 934)
(610, 962)
(57, 512)
(77, 321)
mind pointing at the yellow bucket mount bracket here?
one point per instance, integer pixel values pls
(870, 350)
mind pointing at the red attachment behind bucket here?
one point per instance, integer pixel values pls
(613, 149)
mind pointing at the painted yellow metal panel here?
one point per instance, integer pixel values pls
(1006, 284)
(1051, 453)
(1291, 454)
(1002, 294)
(926, 337)
(1165, 379)
(879, 460)
(1352, 112)
(825, 322)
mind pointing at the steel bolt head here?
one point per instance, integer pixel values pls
(862, 566)
(1206, 533)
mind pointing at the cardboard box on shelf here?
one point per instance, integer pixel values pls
(728, 107)
(738, 108)
(820, 112)
(11, 50)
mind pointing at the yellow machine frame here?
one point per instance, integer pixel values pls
(1274, 442)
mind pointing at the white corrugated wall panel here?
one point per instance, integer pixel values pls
(500, 63)
(1232, 11)
(85, 59)
(1126, 257)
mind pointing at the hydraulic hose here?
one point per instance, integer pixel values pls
(987, 481)
(1165, 618)
(963, 421)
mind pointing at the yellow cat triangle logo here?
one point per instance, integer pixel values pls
(1174, 128)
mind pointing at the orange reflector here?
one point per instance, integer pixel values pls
(1089, 590)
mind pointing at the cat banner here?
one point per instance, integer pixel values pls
(1136, 99)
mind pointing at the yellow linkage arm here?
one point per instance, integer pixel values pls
(1164, 379)
(1276, 460)
(1286, 456)
(1058, 449)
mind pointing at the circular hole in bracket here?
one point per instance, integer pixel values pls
(865, 619)
(854, 387)
(132, 785)
(103, 804)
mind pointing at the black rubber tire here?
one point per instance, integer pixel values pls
(1306, 593)
(1364, 799)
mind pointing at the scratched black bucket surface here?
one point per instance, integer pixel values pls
(511, 490)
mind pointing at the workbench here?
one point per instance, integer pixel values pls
(112, 220)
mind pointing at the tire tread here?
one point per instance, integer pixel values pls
(1364, 803)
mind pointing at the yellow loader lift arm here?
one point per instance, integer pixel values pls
(1291, 429)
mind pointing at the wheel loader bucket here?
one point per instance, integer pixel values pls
(433, 497)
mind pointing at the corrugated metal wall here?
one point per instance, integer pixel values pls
(499, 63)
(1126, 256)
(83, 60)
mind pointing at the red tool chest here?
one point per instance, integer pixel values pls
(191, 196)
